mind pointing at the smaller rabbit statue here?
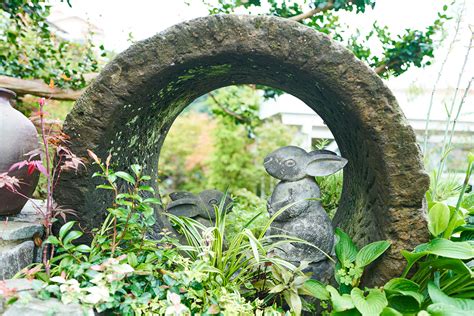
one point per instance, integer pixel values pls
(199, 207)
(307, 219)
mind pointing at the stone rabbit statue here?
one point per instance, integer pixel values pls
(199, 207)
(307, 219)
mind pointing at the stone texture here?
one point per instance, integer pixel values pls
(35, 307)
(131, 105)
(14, 230)
(13, 258)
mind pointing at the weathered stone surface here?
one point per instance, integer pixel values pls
(28, 213)
(13, 230)
(35, 307)
(13, 258)
(131, 105)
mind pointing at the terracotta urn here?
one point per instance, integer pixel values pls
(18, 136)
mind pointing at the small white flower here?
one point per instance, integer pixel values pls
(176, 308)
(58, 279)
(96, 295)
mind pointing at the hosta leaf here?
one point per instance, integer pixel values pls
(447, 248)
(456, 220)
(456, 265)
(440, 309)
(438, 218)
(438, 296)
(403, 295)
(316, 289)
(339, 302)
(388, 311)
(440, 247)
(407, 302)
(401, 284)
(346, 251)
(372, 304)
(349, 312)
(371, 252)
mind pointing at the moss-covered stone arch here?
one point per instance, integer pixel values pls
(132, 104)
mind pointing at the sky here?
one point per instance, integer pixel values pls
(144, 18)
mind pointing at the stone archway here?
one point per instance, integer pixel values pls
(132, 104)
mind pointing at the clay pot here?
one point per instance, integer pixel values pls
(18, 136)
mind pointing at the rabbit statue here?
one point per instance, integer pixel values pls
(199, 207)
(306, 219)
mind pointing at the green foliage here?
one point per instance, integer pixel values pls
(331, 190)
(28, 48)
(246, 207)
(124, 272)
(351, 262)
(240, 145)
(247, 263)
(398, 53)
(184, 154)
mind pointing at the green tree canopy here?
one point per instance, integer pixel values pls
(30, 50)
(398, 52)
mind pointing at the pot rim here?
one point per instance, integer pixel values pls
(10, 94)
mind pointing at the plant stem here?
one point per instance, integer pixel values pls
(428, 114)
(450, 112)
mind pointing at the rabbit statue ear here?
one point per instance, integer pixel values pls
(180, 195)
(323, 164)
(184, 204)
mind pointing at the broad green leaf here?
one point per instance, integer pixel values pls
(104, 186)
(468, 202)
(278, 288)
(294, 301)
(346, 251)
(403, 295)
(388, 311)
(72, 235)
(371, 252)
(125, 176)
(146, 188)
(132, 259)
(447, 248)
(53, 240)
(83, 248)
(440, 309)
(407, 303)
(137, 169)
(372, 304)
(401, 284)
(456, 220)
(440, 247)
(438, 296)
(65, 228)
(316, 289)
(438, 218)
(340, 302)
(456, 265)
(349, 312)
(152, 201)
